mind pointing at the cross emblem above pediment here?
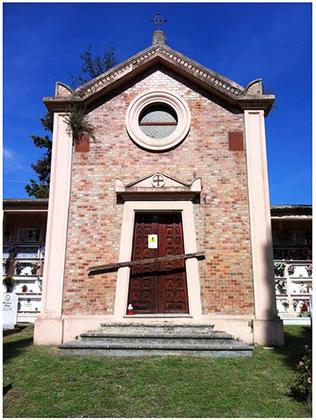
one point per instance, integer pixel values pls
(158, 181)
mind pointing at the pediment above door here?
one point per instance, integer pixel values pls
(158, 186)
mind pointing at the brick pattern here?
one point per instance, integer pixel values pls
(222, 218)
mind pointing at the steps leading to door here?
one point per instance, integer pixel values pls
(157, 328)
(157, 340)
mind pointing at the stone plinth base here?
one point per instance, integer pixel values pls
(268, 332)
(48, 331)
(265, 332)
(55, 331)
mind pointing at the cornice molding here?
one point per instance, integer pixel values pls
(225, 88)
(164, 52)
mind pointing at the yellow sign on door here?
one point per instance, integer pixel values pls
(153, 241)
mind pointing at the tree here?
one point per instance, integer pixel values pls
(92, 67)
(40, 188)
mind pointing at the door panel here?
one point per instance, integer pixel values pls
(172, 279)
(144, 277)
(158, 287)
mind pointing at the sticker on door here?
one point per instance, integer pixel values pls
(153, 241)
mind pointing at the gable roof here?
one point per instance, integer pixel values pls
(250, 97)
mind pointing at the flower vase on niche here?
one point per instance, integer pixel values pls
(130, 309)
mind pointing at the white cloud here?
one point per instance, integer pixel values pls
(7, 153)
(12, 160)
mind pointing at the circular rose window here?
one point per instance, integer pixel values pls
(158, 120)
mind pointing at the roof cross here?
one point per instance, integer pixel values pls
(158, 20)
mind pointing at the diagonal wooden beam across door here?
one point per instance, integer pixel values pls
(107, 268)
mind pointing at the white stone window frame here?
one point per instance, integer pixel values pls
(152, 98)
(190, 246)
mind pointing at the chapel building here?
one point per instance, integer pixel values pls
(176, 173)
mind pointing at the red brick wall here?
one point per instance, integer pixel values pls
(222, 219)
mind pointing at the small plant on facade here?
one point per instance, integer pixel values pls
(9, 283)
(285, 305)
(295, 303)
(78, 124)
(302, 387)
(279, 268)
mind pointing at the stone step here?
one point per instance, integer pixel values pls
(157, 339)
(117, 338)
(156, 328)
(97, 347)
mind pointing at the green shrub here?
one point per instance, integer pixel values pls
(302, 387)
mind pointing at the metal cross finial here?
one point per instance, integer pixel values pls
(158, 20)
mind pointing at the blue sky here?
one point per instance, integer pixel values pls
(43, 42)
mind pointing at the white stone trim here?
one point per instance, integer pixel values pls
(267, 327)
(259, 208)
(189, 236)
(56, 236)
(152, 97)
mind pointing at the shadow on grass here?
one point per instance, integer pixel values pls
(14, 348)
(294, 349)
(14, 330)
(295, 340)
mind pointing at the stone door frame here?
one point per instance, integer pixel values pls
(126, 243)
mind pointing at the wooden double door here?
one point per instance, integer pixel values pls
(160, 286)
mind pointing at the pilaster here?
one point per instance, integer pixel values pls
(48, 327)
(268, 329)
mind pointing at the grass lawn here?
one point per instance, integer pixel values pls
(39, 382)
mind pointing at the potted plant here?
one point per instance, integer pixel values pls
(309, 269)
(35, 268)
(80, 128)
(18, 268)
(279, 269)
(281, 286)
(304, 310)
(291, 270)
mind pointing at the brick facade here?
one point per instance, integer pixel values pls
(221, 218)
